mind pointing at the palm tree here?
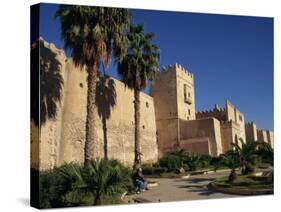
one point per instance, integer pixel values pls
(231, 160)
(266, 152)
(136, 68)
(101, 179)
(247, 155)
(93, 35)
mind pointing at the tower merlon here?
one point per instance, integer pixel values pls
(180, 69)
(177, 68)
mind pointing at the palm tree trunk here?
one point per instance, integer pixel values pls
(137, 127)
(232, 175)
(105, 147)
(97, 200)
(89, 149)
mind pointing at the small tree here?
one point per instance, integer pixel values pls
(231, 160)
(247, 156)
(266, 152)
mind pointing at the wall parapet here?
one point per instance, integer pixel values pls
(217, 112)
(181, 68)
(174, 68)
(52, 47)
(229, 123)
(250, 123)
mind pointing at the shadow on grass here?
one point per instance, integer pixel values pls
(199, 189)
(200, 179)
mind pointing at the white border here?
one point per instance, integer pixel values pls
(14, 113)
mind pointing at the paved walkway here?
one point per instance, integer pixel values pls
(192, 188)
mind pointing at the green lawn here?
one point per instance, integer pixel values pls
(246, 182)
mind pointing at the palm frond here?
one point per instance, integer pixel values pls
(92, 34)
(141, 61)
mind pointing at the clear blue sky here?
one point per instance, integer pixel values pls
(231, 56)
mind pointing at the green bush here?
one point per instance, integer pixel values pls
(184, 159)
(216, 162)
(185, 166)
(150, 170)
(52, 188)
(205, 161)
(171, 162)
(193, 161)
(266, 152)
(249, 168)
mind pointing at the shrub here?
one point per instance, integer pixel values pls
(193, 161)
(216, 162)
(230, 159)
(184, 159)
(205, 161)
(265, 151)
(102, 179)
(52, 188)
(102, 182)
(171, 162)
(185, 166)
(249, 168)
(150, 170)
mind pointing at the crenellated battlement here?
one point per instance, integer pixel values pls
(250, 123)
(229, 123)
(217, 112)
(183, 73)
(52, 47)
(261, 130)
(183, 70)
(179, 69)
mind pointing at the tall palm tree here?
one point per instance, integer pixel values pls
(136, 68)
(93, 35)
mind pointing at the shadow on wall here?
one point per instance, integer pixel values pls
(105, 101)
(51, 83)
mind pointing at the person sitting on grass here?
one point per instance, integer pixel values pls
(139, 181)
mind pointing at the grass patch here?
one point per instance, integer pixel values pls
(264, 166)
(248, 182)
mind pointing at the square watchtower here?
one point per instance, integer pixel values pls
(174, 100)
(173, 93)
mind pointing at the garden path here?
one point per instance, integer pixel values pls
(192, 188)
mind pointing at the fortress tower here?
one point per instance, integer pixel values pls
(251, 132)
(176, 123)
(173, 94)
